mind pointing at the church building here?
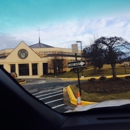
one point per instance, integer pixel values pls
(36, 60)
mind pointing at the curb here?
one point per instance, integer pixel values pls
(96, 77)
(70, 79)
(73, 100)
(22, 82)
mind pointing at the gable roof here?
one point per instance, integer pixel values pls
(22, 45)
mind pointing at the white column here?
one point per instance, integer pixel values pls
(17, 69)
(40, 69)
(30, 69)
(7, 67)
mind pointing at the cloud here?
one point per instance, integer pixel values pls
(8, 41)
(66, 33)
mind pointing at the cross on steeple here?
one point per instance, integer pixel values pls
(39, 35)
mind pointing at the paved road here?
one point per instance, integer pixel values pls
(53, 98)
(49, 91)
(36, 85)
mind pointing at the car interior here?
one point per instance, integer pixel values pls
(21, 110)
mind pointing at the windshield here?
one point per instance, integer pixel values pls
(71, 55)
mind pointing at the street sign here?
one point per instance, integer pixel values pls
(74, 48)
(76, 64)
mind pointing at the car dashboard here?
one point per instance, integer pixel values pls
(21, 110)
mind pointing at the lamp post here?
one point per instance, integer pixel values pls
(82, 76)
(55, 64)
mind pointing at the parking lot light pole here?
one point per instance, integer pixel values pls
(82, 76)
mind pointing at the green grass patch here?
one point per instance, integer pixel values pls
(106, 70)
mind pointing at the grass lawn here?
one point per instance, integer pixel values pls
(98, 91)
(89, 71)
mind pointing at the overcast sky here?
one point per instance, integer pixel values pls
(62, 22)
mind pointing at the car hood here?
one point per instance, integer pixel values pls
(108, 103)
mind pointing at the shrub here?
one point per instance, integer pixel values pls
(74, 70)
(127, 77)
(14, 75)
(102, 78)
(64, 72)
(20, 80)
(114, 79)
(71, 70)
(50, 73)
(91, 79)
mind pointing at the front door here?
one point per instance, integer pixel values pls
(23, 69)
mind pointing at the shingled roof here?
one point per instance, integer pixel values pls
(40, 45)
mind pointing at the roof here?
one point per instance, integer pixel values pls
(40, 45)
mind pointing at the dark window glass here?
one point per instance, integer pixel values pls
(1, 66)
(12, 67)
(45, 68)
(34, 69)
(23, 69)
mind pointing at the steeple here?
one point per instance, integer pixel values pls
(39, 43)
(39, 40)
(39, 35)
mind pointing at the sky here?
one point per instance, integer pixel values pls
(60, 23)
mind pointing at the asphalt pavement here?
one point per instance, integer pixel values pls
(50, 92)
(53, 98)
(36, 85)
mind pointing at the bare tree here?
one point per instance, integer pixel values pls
(57, 64)
(114, 48)
(96, 53)
(50, 66)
